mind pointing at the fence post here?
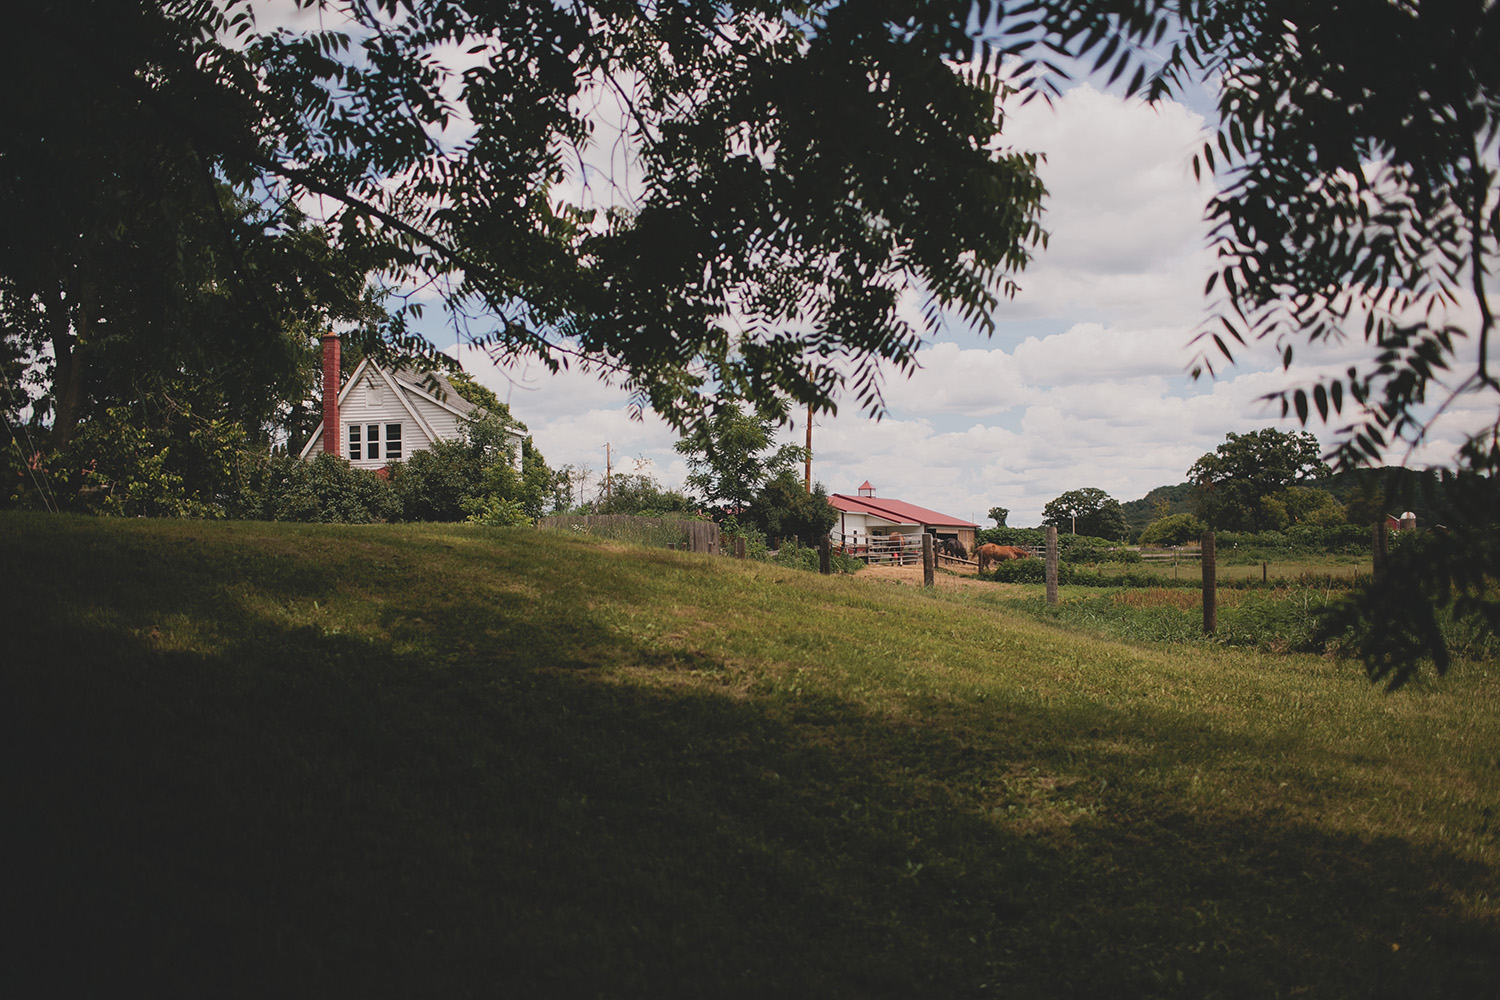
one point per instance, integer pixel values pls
(739, 546)
(1051, 564)
(928, 576)
(1380, 548)
(1210, 584)
(825, 556)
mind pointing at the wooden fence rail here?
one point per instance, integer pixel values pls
(901, 550)
(1170, 555)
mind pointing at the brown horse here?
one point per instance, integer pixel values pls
(991, 553)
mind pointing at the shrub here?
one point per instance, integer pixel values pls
(432, 485)
(1175, 529)
(799, 557)
(1035, 571)
(755, 540)
(328, 489)
(175, 464)
(496, 512)
(1088, 553)
(1022, 537)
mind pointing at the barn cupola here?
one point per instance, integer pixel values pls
(331, 376)
(866, 490)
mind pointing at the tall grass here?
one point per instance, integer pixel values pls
(1279, 618)
(1272, 621)
(251, 760)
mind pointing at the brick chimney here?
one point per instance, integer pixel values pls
(331, 377)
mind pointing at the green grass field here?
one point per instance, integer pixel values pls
(255, 760)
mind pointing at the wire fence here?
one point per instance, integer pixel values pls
(657, 532)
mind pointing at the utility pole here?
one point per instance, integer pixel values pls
(809, 448)
(606, 473)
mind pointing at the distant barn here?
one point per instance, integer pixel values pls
(867, 520)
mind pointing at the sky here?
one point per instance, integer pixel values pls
(1083, 384)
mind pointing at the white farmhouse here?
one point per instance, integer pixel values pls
(382, 416)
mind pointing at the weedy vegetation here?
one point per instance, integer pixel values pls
(246, 759)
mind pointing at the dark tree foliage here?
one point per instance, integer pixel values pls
(998, 515)
(1395, 625)
(785, 511)
(794, 168)
(1234, 480)
(126, 263)
(1089, 511)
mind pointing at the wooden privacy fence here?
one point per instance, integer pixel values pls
(665, 532)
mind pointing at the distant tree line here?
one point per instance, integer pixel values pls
(1269, 485)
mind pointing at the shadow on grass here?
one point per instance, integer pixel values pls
(302, 813)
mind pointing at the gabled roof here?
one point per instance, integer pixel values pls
(897, 511)
(418, 382)
(407, 387)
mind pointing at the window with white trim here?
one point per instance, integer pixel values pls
(366, 441)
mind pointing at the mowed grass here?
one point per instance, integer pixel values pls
(252, 760)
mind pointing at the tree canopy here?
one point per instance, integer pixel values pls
(785, 510)
(1089, 511)
(793, 169)
(734, 454)
(1241, 484)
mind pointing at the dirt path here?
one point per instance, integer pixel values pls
(944, 580)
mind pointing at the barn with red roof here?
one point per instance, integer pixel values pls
(866, 517)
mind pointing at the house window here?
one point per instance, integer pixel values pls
(365, 441)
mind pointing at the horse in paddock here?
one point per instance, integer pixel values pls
(953, 547)
(991, 553)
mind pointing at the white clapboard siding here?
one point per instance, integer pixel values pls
(375, 396)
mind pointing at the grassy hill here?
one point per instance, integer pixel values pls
(256, 760)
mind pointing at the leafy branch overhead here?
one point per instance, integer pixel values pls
(1357, 150)
(794, 168)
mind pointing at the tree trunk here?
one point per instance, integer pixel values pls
(67, 376)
